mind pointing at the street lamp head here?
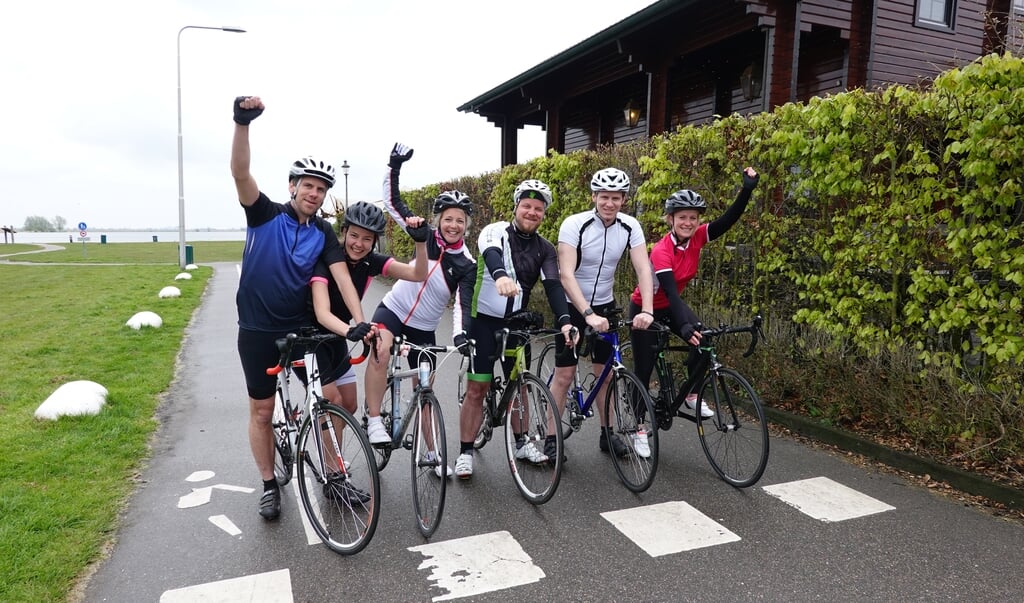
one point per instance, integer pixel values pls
(233, 29)
(344, 167)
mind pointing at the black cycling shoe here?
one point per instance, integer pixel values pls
(270, 504)
(620, 447)
(549, 451)
(340, 489)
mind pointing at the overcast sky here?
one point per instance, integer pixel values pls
(89, 106)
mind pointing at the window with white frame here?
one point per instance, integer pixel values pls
(938, 13)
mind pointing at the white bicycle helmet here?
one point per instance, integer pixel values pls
(610, 179)
(532, 189)
(307, 166)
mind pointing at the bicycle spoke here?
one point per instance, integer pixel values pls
(735, 438)
(284, 448)
(429, 464)
(630, 414)
(530, 424)
(338, 482)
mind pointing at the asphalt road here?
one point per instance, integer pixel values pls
(816, 527)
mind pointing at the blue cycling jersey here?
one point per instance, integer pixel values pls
(277, 263)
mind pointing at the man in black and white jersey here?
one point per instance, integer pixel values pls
(513, 258)
(590, 245)
(283, 243)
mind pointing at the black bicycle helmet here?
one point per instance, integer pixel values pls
(685, 199)
(453, 199)
(307, 166)
(365, 215)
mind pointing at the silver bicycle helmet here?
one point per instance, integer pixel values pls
(365, 215)
(307, 166)
(453, 199)
(685, 199)
(532, 189)
(610, 179)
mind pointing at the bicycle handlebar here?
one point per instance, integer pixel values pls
(754, 328)
(309, 338)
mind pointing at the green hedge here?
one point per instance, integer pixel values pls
(887, 224)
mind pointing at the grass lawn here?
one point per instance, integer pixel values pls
(63, 483)
(132, 253)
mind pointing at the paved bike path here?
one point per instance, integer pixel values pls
(814, 528)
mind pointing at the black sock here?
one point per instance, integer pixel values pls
(466, 448)
(269, 484)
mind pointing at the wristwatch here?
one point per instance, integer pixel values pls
(588, 312)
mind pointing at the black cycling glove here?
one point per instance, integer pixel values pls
(462, 342)
(358, 331)
(419, 234)
(748, 182)
(399, 155)
(244, 116)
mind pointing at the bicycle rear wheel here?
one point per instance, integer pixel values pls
(546, 373)
(531, 417)
(284, 448)
(735, 438)
(629, 414)
(338, 481)
(429, 464)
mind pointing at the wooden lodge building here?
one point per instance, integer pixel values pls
(680, 62)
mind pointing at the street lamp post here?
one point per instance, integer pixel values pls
(181, 177)
(344, 170)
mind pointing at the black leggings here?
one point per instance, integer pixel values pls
(645, 346)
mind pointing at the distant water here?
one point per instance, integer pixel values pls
(129, 236)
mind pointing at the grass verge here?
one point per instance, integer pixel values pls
(62, 483)
(135, 253)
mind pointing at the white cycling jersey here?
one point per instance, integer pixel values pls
(599, 249)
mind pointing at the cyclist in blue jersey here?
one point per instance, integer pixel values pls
(513, 258)
(362, 228)
(590, 245)
(283, 242)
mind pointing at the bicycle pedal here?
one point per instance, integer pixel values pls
(407, 444)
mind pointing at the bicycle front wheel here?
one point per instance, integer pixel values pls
(338, 481)
(629, 416)
(284, 448)
(533, 439)
(429, 464)
(735, 436)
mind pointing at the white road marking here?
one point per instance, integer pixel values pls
(200, 476)
(477, 564)
(222, 522)
(669, 527)
(269, 587)
(201, 496)
(311, 536)
(826, 500)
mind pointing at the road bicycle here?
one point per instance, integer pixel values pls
(327, 451)
(427, 441)
(628, 406)
(735, 436)
(522, 403)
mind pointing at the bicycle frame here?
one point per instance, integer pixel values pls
(424, 372)
(612, 337)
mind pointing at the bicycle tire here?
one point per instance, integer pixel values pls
(735, 437)
(629, 398)
(284, 446)
(429, 452)
(533, 407)
(546, 373)
(342, 505)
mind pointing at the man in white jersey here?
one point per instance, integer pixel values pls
(590, 245)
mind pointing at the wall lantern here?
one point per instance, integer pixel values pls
(632, 114)
(750, 81)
